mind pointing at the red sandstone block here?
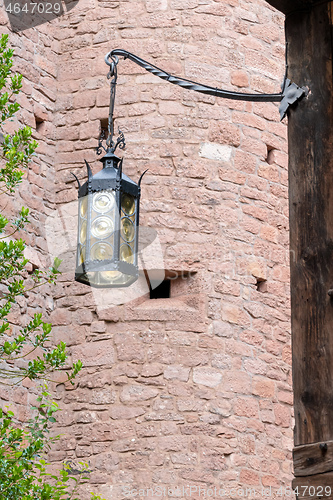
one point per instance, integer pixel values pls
(83, 317)
(266, 110)
(85, 99)
(270, 481)
(252, 337)
(192, 356)
(224, 133)
(134, 393)
(152, 370)
(83, 451)
(121, 412)
(183, 5)
(238, 382)
(206, 376)
(255, 147)
(246, 407)
(250, 224)
(72, 70)
(230, 175)
(88, 130)
(250, 120)
(46, 64)
(247, 444)
(230, 312)
(70, 335)
(222, 329)
(286, 354)
(68, 133)
(157, 20)
(251, 133)
(170, 108)
(248, 476)
(191, 405)
(208, 342)
(61, 317)
(184, 458)
(279, 191)
(94, 353)
(177, 372)
(245, 162)
(240, 78)
(263, 388)
(285, 397)
(281, 159)
(70, 158)
(269, 233)
(268, 32)
(142, 109)
(274, 141)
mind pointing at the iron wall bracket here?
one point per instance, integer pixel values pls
(289, 95)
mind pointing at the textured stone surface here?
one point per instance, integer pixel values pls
(195, 389)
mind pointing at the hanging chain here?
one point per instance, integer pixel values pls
(112, 145)
(112, 73)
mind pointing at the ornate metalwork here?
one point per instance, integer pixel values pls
(100, 146)
(289, 94)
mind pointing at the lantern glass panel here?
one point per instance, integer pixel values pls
(108, 229)
(81, 255)
(128, 204)
(101, 251)
(107, 278)
(82, 230)
(126, 254)
(127, 229)
(104, 217)
(84, 207)
(104, 201)
(102, 227)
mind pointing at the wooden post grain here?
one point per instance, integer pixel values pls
(310, 132)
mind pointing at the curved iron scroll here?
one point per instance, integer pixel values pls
(284, 95)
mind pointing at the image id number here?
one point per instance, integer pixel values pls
(33, 8)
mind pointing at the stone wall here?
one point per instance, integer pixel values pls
(194, 389)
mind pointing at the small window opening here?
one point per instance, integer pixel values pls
(39, 123)
(270, 155)
(104, 128)
(161, 291)
(261, 285)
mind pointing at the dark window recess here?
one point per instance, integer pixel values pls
(270, 155)
(39, 123)
(104, 129)
(261, 285)
(161, 291)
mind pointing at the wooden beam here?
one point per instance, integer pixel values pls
(310, 135)
(319, 486)
(311, 459)
(288, 6)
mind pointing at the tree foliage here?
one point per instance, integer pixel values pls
(24, 351)
(23, 470)
(17, 150)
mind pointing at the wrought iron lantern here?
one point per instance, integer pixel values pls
(107, 246)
